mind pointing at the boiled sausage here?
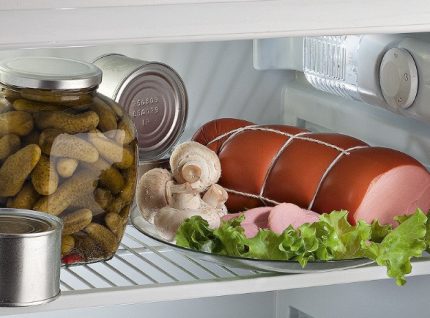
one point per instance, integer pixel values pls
(322, 172)
(288, 214)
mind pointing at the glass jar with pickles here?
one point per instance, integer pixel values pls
(68, 151)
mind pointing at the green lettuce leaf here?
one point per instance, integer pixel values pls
(331, 238)
(379, 231)
(195, 234)
(307, 245)
(344, 239)
(400, 245)
(427, 236)
(403, 218)
(232, 238)
(300, 245)
(265, 245)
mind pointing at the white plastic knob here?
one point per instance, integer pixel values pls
(398, 78)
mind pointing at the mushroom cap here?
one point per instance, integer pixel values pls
(168, 219)
(198, 158)
(151, 191)
(215, 196)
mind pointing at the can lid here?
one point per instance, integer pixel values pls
(49, 73)
(19, 223)
(155, 97)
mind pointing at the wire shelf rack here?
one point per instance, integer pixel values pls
(141, 261)
(143, 271)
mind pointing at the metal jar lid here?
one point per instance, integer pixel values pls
(153, 95)
(49, 73)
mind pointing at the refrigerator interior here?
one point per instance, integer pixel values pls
(219, 77)
(260, 81)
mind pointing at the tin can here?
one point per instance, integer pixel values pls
(30, 249)
(154, 96)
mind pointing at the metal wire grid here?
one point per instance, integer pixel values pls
(141, 261)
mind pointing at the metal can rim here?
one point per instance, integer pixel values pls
(139, 70)
(154, 161)
(31, 303)
(55, 222)
(183, 96)
(124, 76)
(105, 55)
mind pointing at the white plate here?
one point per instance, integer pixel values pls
(240, 262)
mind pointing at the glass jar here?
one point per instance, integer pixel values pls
(68, 151)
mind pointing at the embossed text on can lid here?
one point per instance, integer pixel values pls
(155, 98)
(49, 73)
(19, 223)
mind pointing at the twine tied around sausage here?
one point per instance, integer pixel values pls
(292, 137)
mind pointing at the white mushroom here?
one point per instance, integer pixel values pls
(216, 196)
(220, 210)
(167, 204)
(182, 196)
(191, 172)
(168, 220)
(151, 192)
(211, 216)
(194, 163)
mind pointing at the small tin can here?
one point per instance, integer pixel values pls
(154, 96)
(30, 249)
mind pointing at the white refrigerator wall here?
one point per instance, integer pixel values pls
(219, 77)
(308, 107)
(258, 305)
(222, 82)
(373, 299)
(318, 111)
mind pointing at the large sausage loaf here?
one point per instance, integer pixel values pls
(267, 165)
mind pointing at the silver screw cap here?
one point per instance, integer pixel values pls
(49, 73)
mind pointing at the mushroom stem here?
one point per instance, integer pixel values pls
(191, 172)
(216, 196)
(186, 201)
(182, 196)
(194, 163)
(220, 210)
(180, 188)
